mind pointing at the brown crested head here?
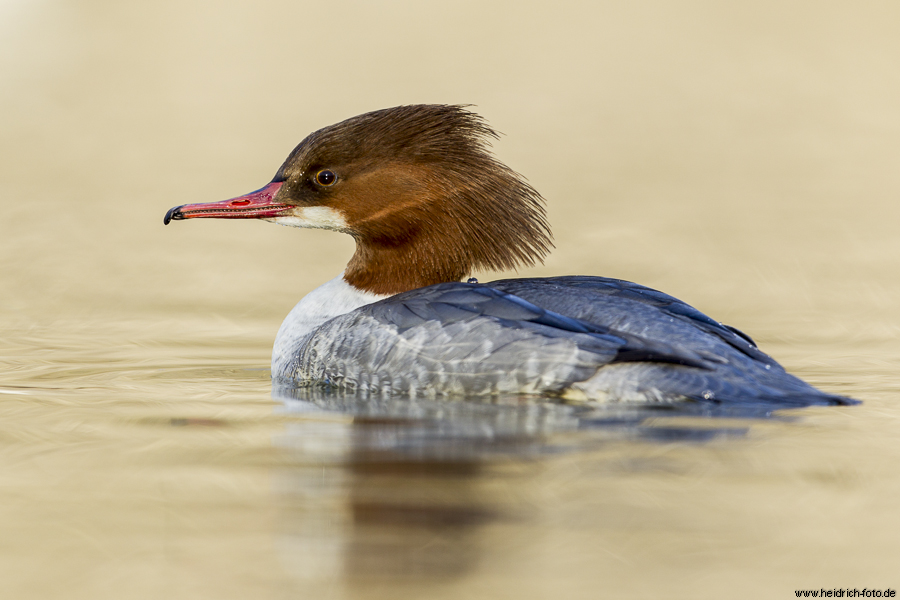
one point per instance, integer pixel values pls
(418, 189)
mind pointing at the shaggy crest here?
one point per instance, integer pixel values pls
(425, 199)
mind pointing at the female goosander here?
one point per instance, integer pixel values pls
(426, 202)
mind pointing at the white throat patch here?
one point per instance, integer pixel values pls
(313, 217)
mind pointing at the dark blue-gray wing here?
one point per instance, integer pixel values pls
(452, 303)
(627, 306)
(743, 371)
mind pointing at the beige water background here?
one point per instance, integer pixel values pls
(741, 156)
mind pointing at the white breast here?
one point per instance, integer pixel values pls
(335, 298)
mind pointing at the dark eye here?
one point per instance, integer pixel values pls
(326, 177)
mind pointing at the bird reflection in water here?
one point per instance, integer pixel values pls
(399, 489)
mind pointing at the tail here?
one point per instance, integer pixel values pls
(782, 400)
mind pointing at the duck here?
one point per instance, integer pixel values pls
(427, 203)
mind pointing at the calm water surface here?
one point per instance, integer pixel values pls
(151, 460)
(743, 159)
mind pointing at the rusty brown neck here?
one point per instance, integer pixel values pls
(385, 268)
(427, 235)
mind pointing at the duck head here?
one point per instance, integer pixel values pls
(416, 187)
